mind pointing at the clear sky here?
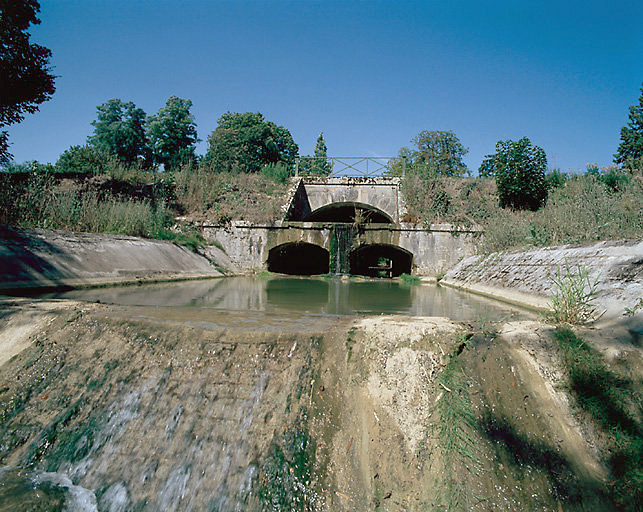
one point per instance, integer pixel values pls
(370, 75)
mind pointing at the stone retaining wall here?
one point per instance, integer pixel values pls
(527, 275)
(40, 258)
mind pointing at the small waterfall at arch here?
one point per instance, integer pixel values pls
(341, 241)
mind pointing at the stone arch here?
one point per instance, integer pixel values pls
(349, 212)
(380, 260)
(298, 258)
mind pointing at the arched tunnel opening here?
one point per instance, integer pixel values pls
(380, 260)
(299, 258)
(353, 213)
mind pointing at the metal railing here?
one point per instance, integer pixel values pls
(342, 166)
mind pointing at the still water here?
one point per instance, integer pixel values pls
(317, 296)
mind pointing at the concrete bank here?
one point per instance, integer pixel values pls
(37, 259)
(525, 277)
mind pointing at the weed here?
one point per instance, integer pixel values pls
(350, 341)
(455, 432)
(409, 279)
(572, 297)
(632, 311)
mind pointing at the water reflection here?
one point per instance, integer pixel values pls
(331, 296)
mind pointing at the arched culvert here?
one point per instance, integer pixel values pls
(353, 213)
(379, 260)
(299, 258)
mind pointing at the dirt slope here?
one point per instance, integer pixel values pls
(376, 413)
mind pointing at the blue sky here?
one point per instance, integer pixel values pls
(370, 75)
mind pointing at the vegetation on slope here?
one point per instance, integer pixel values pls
(135, 201)
(581, 208)
(613, 403)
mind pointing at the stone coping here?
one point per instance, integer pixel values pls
(404, 226)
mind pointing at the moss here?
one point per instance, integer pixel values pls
(48, 437)
(286, 473)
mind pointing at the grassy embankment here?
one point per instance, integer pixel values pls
(580, 208)
(613, 403)
(133, 201)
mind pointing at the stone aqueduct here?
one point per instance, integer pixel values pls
(343, 225)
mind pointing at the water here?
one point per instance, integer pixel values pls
(342, 239)
(310, 296)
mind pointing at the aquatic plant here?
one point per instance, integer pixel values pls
(409, 279)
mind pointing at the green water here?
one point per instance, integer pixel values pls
(318, 296)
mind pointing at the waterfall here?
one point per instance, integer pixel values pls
(341, 242)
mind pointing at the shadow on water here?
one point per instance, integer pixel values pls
(522, 453)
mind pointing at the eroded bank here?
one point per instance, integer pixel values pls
(147, 411)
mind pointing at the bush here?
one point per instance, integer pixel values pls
(555, 179)
(426, 198)
(519, 168)
(615, 179)
(279, 172)
(82, 159)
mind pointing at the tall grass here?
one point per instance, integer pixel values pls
(573, 295)
(44, 203)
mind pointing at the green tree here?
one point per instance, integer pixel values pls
(172, 133)
(440, 152)
(84, 159)
(119, 130)
(519, 168)
(246, 142)
(319, 164)
(436, 153)
(25, 77)
(630, 150)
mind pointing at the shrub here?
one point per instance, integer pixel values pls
(555, 179)
(615, 179)
(426, 198)
(519, 168)
(82, 159)
(279, 172)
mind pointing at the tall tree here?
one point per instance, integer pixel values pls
(630, 150)
(119, 130)
(172, 133)
(519, 168)
(25, 76)
(318, 165)
(441, 152)
(322, 165)
(246, 142)
(436, 153)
